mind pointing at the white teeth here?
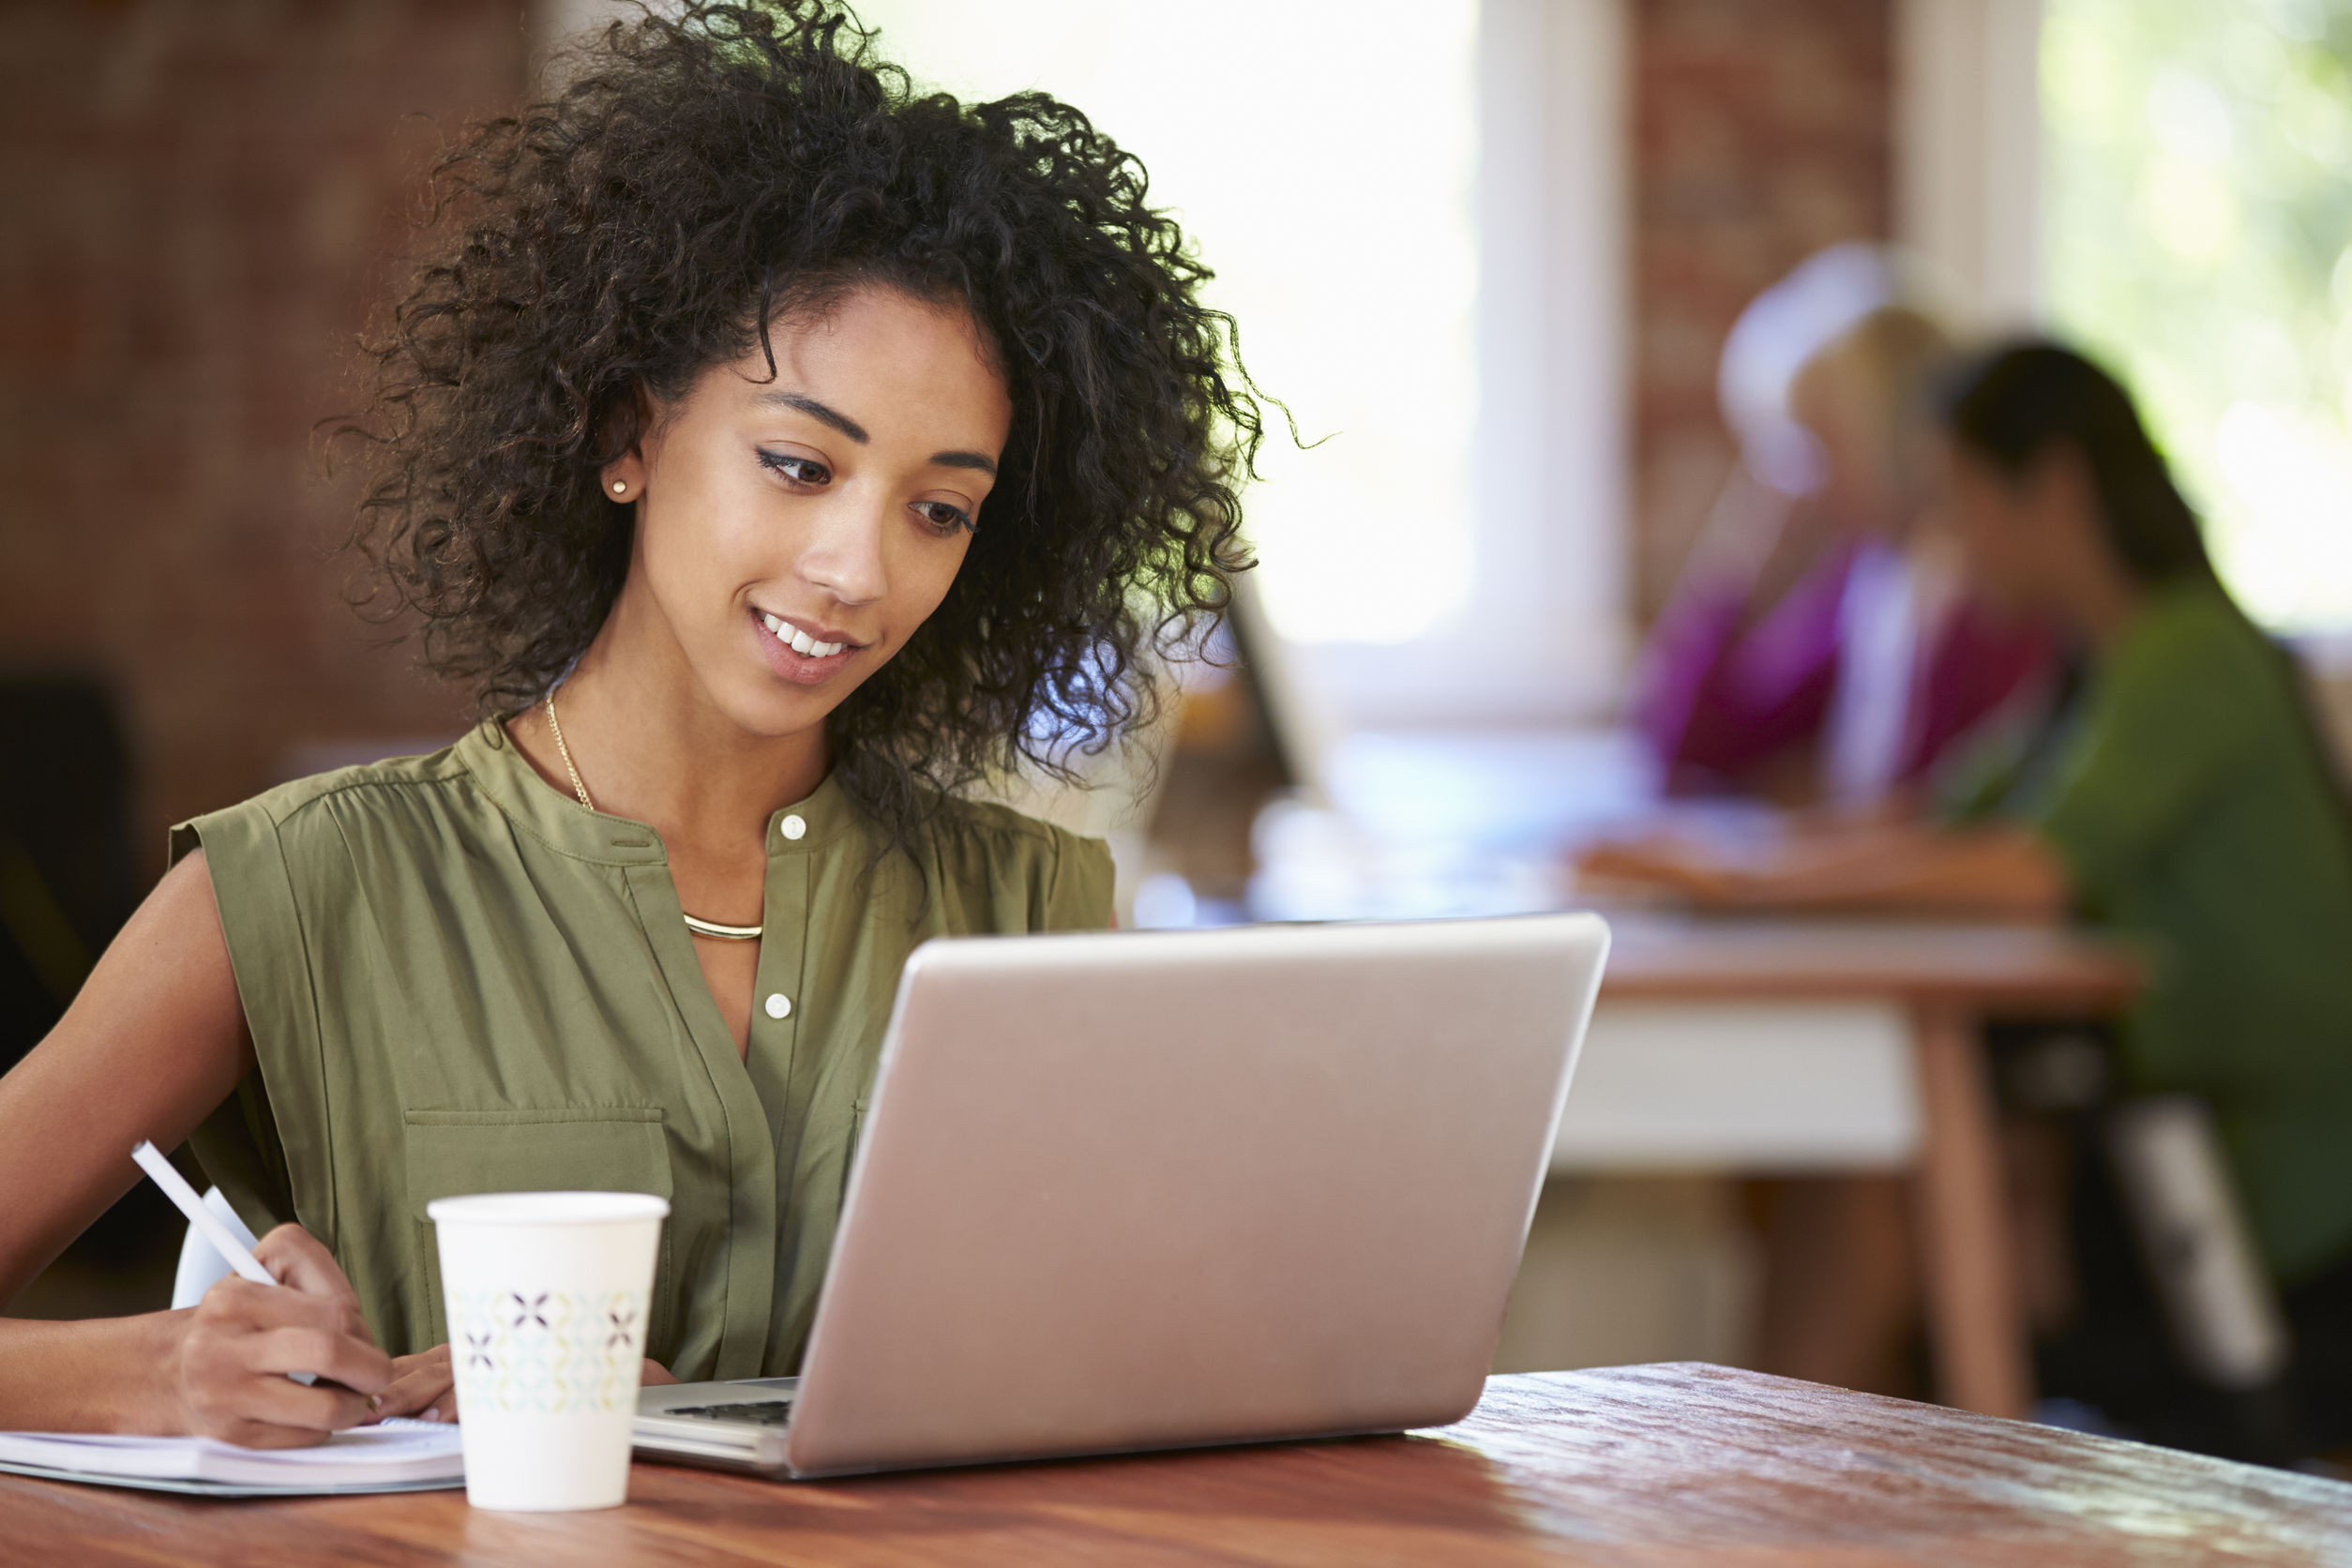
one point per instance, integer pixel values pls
(797, 639)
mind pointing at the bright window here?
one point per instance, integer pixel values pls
(1321, 155)
(2198, 234)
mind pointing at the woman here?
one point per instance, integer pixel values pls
(1818, 649)
(2189, 802)
(773, 450)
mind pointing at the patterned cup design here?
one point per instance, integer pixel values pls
(547, 1352)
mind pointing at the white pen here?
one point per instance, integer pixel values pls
(184, 1198)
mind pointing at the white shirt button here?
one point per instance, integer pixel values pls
(779, 1005)
(793, 827)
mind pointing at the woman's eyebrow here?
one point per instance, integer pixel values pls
(818, 411)
(856, 432)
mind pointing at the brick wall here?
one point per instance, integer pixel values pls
(1761, 134)
(198, 202)
(200, 199)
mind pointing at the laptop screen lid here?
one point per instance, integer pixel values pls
(1130, 1191)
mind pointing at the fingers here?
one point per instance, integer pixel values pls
(1615, 868)
(243, 1340)
(1619, 859)
(1664, 865)
(240, 1305)
(277, 1400)
(266, 1410)
(294, 1256)
(248, 1433)
(422, 1385)
(656, 1374)
(322, 1353)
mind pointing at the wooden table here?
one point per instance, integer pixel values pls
(1635, 1466)
(1946, 980)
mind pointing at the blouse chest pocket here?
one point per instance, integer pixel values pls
(451, 1154)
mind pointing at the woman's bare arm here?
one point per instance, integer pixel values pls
(1999, 871)
(155, 1039)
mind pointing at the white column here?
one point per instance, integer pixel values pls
(1555, 153)
(1967, 150)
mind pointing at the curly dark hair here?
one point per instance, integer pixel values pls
(705, 174)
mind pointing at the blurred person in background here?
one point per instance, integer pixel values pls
(1821, 646)
(2186, 800)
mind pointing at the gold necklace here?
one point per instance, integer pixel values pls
(711, 929)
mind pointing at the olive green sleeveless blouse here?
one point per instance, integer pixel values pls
(458, 980)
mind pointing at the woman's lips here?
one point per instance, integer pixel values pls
(779, 639)
(812, 642)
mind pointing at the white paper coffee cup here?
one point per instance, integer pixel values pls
(547, 1295)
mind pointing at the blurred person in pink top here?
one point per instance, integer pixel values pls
(1821, 647)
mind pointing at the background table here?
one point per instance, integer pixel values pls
(1782, 1044)
(1642, 1465)
(1757, 1045)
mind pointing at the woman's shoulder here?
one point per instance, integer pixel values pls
(2189, 644)
(383, 782)
(422, 789)
(2192, 614)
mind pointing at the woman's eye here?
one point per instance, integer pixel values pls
(803, 471)
(942, 517)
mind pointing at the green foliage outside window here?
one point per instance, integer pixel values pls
(2197, 233)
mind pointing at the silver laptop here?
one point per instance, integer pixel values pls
(1149, 1191)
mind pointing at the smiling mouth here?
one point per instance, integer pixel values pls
(799, 641)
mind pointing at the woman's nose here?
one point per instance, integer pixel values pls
(844, 556)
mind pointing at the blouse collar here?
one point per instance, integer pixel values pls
(806, 827)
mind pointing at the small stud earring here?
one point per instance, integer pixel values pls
(620, 486)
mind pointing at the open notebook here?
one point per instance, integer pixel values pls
(393, 1457)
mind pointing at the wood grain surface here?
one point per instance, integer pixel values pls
(1632, 1466)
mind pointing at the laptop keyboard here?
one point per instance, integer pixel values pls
(760, 1412)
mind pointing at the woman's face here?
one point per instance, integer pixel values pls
(794, 530)
(2000, 524)
(1856, 492)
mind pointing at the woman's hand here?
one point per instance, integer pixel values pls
(1671, 866)
(423, 1387)
(2000, 873)
(243, 1338)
